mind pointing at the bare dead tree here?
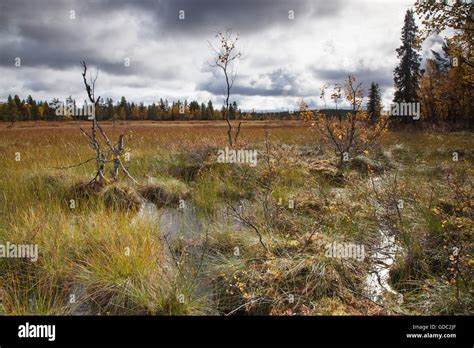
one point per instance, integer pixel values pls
(101, 155)
(116, 151)
(225, 57)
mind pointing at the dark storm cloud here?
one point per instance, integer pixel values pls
(39, 85)
(242, 15)
(217, 87)
(42, 34)
(365, 75)
(279, 82)
(204, 16)
(286, 83)
(45, 36)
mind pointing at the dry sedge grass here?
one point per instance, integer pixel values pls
(97, 258)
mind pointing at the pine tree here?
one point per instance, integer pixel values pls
(202, 112)
(210, 110)
(235, 110)
(374, 106)
(194, 108)
(3, 111)
(109, 109)
(32, 108)
(122, 114)
(162, 105)
(12, 110)
(407, 73)
(20, 108)
(142, 111)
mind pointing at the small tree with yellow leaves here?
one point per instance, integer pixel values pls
(350, 135)
(225, 56)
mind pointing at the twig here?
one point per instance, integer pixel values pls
(75, 165)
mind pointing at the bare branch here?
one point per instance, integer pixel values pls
(76, 165)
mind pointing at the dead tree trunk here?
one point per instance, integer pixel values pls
(100, 154)
(117, 152)
(100, 158)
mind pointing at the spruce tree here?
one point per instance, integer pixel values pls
(374, 106)
(407, 73)
(210, 110)
(12, 110)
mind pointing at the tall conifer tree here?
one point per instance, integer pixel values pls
(407, 73)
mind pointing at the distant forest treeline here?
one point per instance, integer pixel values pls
(29, 109)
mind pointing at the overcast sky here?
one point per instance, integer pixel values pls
(283, 59)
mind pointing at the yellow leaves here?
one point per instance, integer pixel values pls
(240, 286)
(293, 243)
(351, 130)
(275, 273)
(305, 114)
